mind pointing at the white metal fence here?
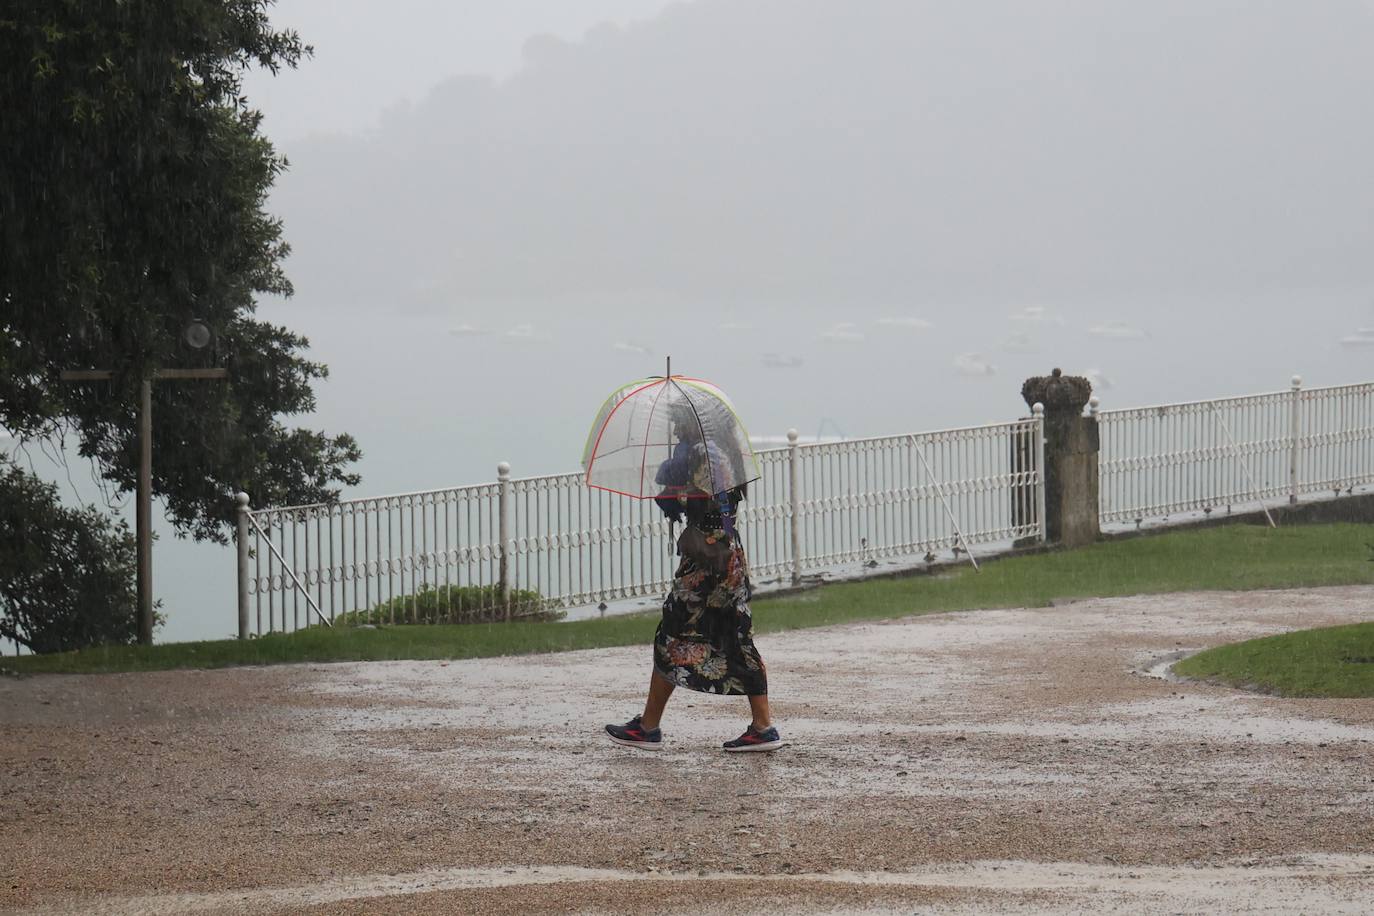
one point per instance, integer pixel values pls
(815, 507)
(1219, 455)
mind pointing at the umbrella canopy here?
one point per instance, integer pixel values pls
(674, 436)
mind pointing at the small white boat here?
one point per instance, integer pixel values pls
(778, 361)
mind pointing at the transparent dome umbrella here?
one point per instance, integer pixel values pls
(674, 436)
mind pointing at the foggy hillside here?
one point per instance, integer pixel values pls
(885, 149)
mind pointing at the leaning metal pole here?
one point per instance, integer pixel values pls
(940, 491)
(286, 568)
(1244, 463)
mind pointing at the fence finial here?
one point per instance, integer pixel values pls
(792, 436)
(1297, 382)
(1038, 409)
(1093, 404)
(503, 471)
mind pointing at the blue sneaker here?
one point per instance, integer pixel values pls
(632, 734)
(752, 740)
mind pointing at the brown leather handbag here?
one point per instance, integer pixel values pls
(709, 550)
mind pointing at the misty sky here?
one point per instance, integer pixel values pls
(370, 57)
(787, 149)
(857, 217)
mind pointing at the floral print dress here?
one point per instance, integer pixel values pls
(705, 641)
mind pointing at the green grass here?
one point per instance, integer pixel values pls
(317, 644)
(1329, 662)
(1230, 558)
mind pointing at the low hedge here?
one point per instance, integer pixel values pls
(453, 604)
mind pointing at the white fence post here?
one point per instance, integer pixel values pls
(241, 516)
(1038, 411)
(503, 532)
(794, 499)
(1295, 432)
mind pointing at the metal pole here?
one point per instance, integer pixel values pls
(1295, 430)
(1245, 465)
(503, 527)
(144, 512)
(794, 498)
(949, 513)
(143, 501)
(286, 568)
(242, 516)
(672, 525)
(1038, 410)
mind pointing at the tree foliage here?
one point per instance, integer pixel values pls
(133, 183)
(66, 576)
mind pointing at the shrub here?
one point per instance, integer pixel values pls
(66, 575)
(453, 604)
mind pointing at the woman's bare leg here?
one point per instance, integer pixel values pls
(758, 706)
(660, 690)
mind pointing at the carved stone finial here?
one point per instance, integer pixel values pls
(1059, 393)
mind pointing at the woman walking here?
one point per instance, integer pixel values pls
(705, 639)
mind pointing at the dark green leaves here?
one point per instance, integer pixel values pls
(66, 576)
(133, 183)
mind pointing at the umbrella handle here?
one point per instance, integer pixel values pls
(668, 380)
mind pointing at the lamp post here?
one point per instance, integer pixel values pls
(196, 336)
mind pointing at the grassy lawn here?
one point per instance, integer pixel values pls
(1230, 558)
(1330, 662)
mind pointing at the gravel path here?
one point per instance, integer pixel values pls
(1016, 760)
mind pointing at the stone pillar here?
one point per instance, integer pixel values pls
(1071, 447)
